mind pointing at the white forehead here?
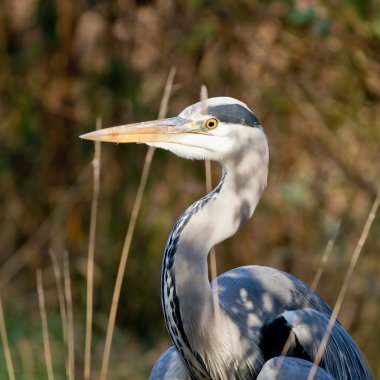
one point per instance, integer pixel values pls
(200, 108)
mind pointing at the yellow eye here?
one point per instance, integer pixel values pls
(211, 123)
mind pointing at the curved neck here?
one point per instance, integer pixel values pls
(186, 292)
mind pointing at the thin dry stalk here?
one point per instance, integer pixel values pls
(204, 97)
(70, 320)
(213, 266)
(314, 284)
(45, 328)
(128, 238)
(62, 303)
(91, 254)
(167, 93)
(345, 285)
(4, 339)
(325, 258)
(25, 350)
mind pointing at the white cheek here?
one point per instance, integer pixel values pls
(184, 151)
(223, 146)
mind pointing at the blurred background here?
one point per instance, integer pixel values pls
(309, 69)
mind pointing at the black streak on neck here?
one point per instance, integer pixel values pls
(170, 251)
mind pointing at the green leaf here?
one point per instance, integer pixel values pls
(301, 17)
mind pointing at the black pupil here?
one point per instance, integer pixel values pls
(211, 123)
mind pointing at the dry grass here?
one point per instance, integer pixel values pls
(70, 317)
(130, 231)
(91, 255)
(310, 72)
(45, 327)
(212, 255)
(345, 285)
(65, 296)
(5, 342)
(64, 292)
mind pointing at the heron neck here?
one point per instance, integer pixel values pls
(186, 292)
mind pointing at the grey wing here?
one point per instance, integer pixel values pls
(265, 292)
(169, 367)
(253, 296)
(259, 299)
(342, 358)
(285, 368)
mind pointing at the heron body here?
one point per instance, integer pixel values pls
(260, 309)
(286, 368)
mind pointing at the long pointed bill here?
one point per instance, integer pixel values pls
(164, 130)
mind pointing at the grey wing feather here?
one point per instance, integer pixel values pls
(255, 297)
(286, 368)
(342, 358)
(252, 296)
(169, 367)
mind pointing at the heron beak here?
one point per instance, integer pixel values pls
(163, 130)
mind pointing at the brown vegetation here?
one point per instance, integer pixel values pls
(311, 72)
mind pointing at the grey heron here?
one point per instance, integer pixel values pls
(259, 307)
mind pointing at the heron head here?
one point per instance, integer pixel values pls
(213, 129)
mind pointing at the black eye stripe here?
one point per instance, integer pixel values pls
(234, 114)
